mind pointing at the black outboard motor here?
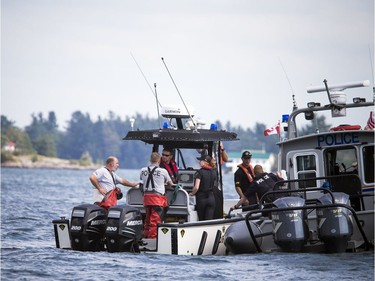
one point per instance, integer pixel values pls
(88, 227)
(335, 226)
(289, 227)
(124, 229)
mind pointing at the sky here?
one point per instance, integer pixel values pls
(231, 60)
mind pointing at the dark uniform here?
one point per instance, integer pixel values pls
(205, 200)
(260, 185)
(244, 180)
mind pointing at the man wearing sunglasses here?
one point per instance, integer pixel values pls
(168, 163)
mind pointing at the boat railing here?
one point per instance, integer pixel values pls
(256, 214)
(292, 128)
(347, 183)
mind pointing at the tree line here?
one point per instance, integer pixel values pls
(94, 141)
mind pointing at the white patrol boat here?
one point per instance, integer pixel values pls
(322, 207)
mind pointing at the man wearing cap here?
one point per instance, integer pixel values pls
(243, 178)
(205, 180)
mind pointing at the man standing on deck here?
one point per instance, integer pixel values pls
(243, 178)
(104, 179)
(155, 201)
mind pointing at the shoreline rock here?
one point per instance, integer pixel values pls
(32, 161)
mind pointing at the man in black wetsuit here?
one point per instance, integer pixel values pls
(262, 183)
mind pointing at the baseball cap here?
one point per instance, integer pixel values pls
(205, 158)
(246, 154)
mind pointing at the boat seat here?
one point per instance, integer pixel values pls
(182, 204)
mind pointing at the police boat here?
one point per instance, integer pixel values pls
(90, 228)
(327, 203)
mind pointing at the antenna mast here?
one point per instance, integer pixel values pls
(154, 93)
(195, 125)
(157, 104)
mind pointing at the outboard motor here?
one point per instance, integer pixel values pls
(124, 229)
(238, 240)
(335, 226)
(289, 227)
(88, 227)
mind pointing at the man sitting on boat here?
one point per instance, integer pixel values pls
(105, 179)
(169, 164)
(154, 180)
(262, 183)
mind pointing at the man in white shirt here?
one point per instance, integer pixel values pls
(104, 179)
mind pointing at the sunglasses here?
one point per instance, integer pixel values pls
(167, 155)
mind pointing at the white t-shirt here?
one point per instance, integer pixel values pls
(105, 181)
(160, 177)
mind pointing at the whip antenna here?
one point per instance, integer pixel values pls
(179, 93)
(286, 75)
(157, 104)
(154, 93)
(372, 71)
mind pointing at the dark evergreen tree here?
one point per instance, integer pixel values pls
(43, 134)
(78, 138)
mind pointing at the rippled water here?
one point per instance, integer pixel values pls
(32, 198)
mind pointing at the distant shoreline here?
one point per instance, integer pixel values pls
(32, 161)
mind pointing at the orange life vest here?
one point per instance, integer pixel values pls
(251, 175)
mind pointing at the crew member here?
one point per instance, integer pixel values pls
(243, 178)
(154, 180)
(169, 164)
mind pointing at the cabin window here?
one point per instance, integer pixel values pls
(368, 163)
(306, 169)
(341, 161)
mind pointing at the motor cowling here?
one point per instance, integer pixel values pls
(289, 227)
(335, 225)
(124, 229)
(87, 227)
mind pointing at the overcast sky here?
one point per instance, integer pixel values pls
(232, 60)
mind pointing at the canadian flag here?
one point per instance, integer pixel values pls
(273, 130)
(370, 122)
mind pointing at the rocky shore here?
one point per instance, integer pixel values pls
(33, 161)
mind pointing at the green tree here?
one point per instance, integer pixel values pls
(78, 137)
(43, 134)
(9, 132)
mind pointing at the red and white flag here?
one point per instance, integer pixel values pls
(370, 122)
(273, 130)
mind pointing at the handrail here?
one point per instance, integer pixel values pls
(247, 218)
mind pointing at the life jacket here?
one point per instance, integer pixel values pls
(171, 169)
(110, 198)
(250, 175)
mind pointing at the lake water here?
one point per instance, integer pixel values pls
(32, 198)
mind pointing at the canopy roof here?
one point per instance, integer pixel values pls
(180, 137)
